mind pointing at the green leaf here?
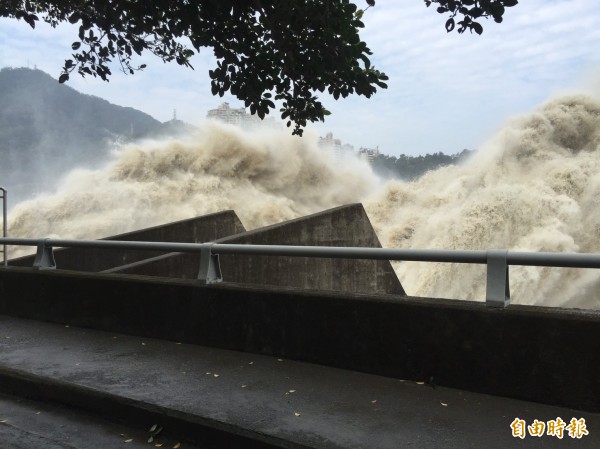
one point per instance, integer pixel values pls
(366, 61)
(475, 12)
(30, 19)
(64, 77)
(497, 11)
(477, 28)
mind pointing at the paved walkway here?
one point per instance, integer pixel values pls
(37, 425)
(275, 402)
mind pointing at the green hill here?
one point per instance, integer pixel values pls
(47, 128)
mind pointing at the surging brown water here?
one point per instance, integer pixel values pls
(266, 177)
(535, 186)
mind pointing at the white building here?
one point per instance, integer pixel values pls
(239, 117)
(234, 116)
(368, 154)
(339, 150)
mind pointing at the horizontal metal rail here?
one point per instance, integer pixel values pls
(497, 261)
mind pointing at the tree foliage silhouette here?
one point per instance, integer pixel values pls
(266, 50)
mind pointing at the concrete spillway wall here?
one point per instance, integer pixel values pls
(194, 230)
(532, 353)
(341, 226)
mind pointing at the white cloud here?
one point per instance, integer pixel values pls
(446, 91)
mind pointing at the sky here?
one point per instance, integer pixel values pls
(447, 92)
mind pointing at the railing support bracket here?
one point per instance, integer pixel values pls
(210, 269)
(44, 258)
(498, 289)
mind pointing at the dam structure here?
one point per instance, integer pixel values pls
(202, 334)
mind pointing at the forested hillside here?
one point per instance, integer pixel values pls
(412, 167)
(47, 127)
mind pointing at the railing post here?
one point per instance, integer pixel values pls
(44, 258)
(498, 290)
(210, 269)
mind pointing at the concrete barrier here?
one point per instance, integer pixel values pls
(194, 230)
(532, 353)
(347, 225)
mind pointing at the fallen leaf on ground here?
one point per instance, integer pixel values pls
(420, 383)
(177, 446)
(216, 375)
(292, 391)
(444, 404)
(244, 386)
(373, 401)
(128, 441)
(297, 413)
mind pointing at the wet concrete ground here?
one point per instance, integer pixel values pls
(268, 401)
(28, 424)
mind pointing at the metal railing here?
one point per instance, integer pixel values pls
(496, 260)
(4, 197)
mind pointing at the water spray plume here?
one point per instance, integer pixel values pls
(534, 186)
(265, 176)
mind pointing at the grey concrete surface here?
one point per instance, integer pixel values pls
(541, 354)
(28, 424)
(280, 402)
(346, 225)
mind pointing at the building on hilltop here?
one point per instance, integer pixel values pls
(239, 117)
(339, 150)
(331, 144)
(368, 154)
(233, 116)
(335, 146)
